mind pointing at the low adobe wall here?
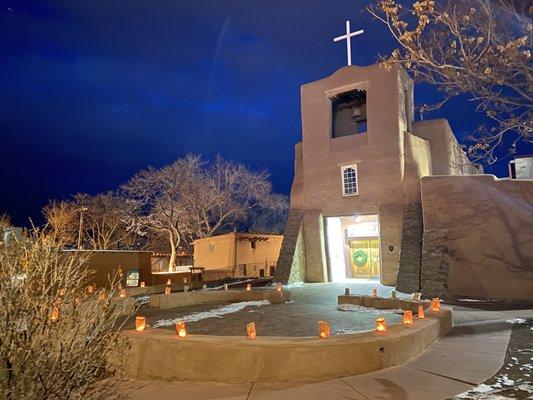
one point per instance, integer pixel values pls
(155, 289)
(160, 354)
(382, 303)
(181, 299)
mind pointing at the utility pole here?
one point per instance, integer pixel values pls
(80, 229)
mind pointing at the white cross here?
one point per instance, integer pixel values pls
(348, 37)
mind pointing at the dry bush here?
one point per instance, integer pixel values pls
(55, 337)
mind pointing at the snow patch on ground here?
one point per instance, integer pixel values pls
(345, 331)
(471, 301)
(214, 313)
(370, 310)
(490, 392)
(294, 285)
(516, 321)
(142, 300)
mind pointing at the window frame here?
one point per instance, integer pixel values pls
(343, 183)
(130, 272)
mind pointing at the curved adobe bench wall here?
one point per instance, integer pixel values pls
(160, 354)
(181, 299)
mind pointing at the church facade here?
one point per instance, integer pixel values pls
(357, 208)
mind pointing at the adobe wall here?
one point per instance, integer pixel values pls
(225, 251)
(390, 162)
(447, 156)
(161, 354)
(265, 250)
(478, 236)
(291, 265)
(222, 254)
(106, 263)
(376, 153)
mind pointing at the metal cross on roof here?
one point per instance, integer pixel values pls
(348, 37)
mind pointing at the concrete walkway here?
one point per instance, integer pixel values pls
(468, 355)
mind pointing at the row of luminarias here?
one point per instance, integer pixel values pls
(324, 329)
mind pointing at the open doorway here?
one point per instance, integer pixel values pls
(353, 247)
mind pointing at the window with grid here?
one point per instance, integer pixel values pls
(132, 277)
(349, 180)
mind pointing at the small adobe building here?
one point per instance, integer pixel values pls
(372, 187)
(238, 254)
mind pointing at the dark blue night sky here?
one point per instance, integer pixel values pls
(93, 91)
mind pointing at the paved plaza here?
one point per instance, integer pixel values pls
(472, 353)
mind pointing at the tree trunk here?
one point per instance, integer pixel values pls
(172, 260)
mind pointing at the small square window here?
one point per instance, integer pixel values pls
(132, 277)
(349, 180)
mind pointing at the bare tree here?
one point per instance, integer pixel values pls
(61, 219)
(55, 339)
(159, 196)
(270, 218)
(481, 48)
(192, 198)
(108, 219)
(226, 193)
(5, 222)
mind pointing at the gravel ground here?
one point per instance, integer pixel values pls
(313, 302)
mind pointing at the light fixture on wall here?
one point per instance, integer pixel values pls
(122, 293)
(168, 290)
(374, 292)
(248, 286)
(279, 287)
(169, 281)
(393, 294)
(143, 284)
(356, 218)
(421, 314)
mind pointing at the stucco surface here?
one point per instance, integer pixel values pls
(391, 157)
(485, 237)
(105, 264)
(160, 354)
(181, 299)
(447, 156)
(232, 249)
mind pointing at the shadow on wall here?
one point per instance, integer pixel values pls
(479, 231)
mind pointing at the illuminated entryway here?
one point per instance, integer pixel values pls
(353, 247)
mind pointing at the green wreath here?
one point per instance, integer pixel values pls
(359, 257)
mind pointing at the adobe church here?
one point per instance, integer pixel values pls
(377, 194)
